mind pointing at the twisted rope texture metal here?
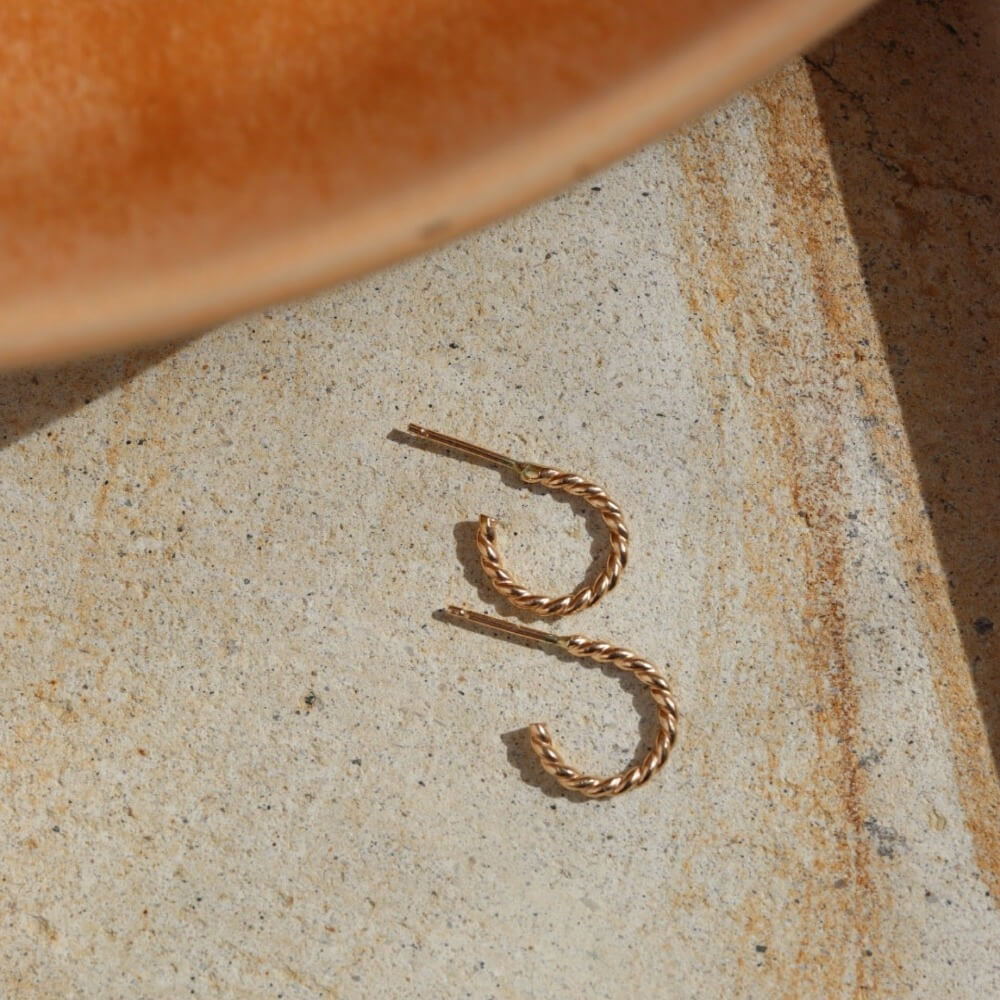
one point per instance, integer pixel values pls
(598, 788)
(587, 593)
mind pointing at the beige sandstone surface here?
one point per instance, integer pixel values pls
(240, 757)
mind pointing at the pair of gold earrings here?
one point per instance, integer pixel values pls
(590, 592)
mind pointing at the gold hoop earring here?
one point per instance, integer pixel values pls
(541, 740)
(588, 593)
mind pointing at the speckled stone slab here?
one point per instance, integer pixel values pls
(239, 756)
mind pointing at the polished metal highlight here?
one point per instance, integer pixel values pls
(588, 593)
(541, 739)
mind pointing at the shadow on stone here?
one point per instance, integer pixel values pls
(909, 97)
(518, 743)
(32, 398)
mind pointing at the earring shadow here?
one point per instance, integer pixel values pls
(521, 756)
(518, 744)
(465, 532)
(467, 552)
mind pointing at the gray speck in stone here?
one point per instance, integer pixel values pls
(983, 625)
(886, 838)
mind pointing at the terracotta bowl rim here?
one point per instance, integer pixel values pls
(195, 296)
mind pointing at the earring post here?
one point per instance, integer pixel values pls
(501, 625)
(459, 445)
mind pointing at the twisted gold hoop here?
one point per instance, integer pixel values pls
(541, 739)
(588, 593)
